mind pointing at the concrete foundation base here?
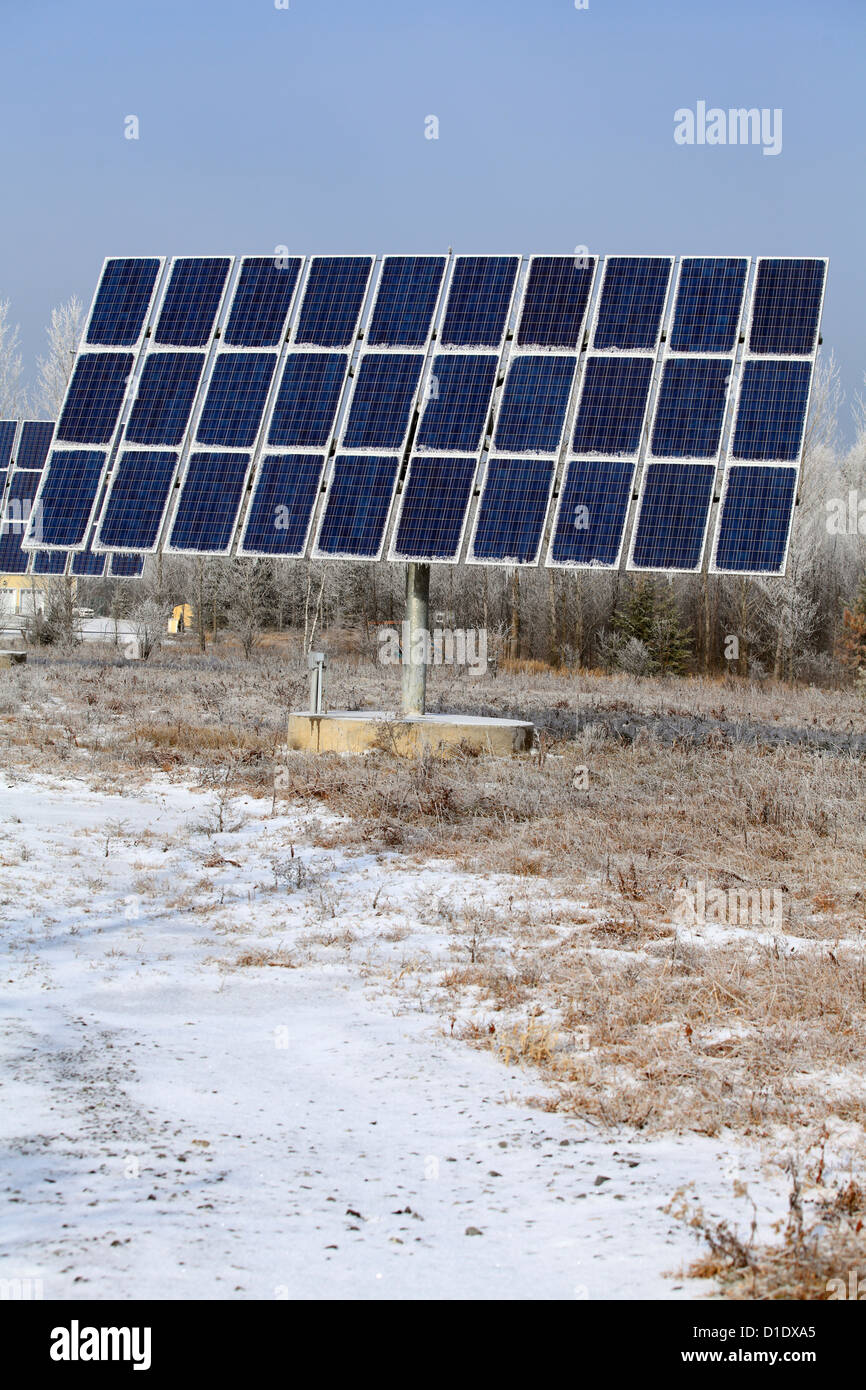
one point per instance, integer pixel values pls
(350, 731)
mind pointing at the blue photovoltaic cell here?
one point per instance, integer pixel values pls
(236, 398)
(34, 443)
(122, 300)
(7, 438)
(675, 504)
(458, 399)
(772, 410)
(405, 301)
(592, 512)
(381, 409)
(786, 306)
(209, 502)
(49, 562)
(534, 402)
(755, 519)
(139, 491)
(94, 398)
(191, 301)
(262, 300)
(71, 484)
(709, 304)
(690, 410)
(555, 300)
(307, 400)
(633, 294)
(479, 299)
(16, 510)
(333, 297)
(612, 405)
(512, 510)
(86, 564)
(126, 566)
(435, 501)
(282, 504)
(166, 394)
(359, 501)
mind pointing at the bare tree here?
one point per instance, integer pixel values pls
(13, 397)
(63, 334)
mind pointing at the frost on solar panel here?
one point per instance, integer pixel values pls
(69, 490)
(631, 303)
(709, 303)
(358, 504)
(591, 513)
(49, 562)
(673, 515)
(612, 408)
(405, 301)
(555, 301)
(434, 504)
(7, 439)
(192, 299)
(262, 300)
(512, 509)
(140, 491)
(333, 298)
(458, 394)
(690, 410)
(384, 393)
(126, 566)
(479, 301)
(207, 508)
(771, 410)
(534, 402)
(34, 443)
(307, 400)
(94, 398)
(235, 401)
(786, 306)
(755, 520)
(16, 512)
(119, 314)
(86, 564)
(281, 508)
(164, 399)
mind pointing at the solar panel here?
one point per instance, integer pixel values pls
(771, 412)
(458, 397)
(280, 514)
(358, 504)
(672, 520)
(49, 562)
(690, 410)
(434, 504)
(207, 508)
(479, 301)
(509, 523)
(333, 299)
(631, 303)
(33, 444)
(235, 399)
(262, 301)
(123, 300)
(192, 300)
(534, 403)
(307, 400)
(86, 564)
(591, 513)
(555, 301)
(612, 406)
(755, 520)
(384, 390)
(95, 398)
(20, 493)
(138, 498)
(786, 306)
(70, 485)
(708, 304)
(406, 301)
(125, 566)
(7, 439)
(164, 399)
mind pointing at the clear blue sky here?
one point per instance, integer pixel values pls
(305, 127)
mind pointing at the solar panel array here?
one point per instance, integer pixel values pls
(292, 406)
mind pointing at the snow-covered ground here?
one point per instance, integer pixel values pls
(178, 1122)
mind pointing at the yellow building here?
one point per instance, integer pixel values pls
(181, 619)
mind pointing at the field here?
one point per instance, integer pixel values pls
(604, 1001)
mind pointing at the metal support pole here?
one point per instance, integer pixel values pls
(414, 652)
